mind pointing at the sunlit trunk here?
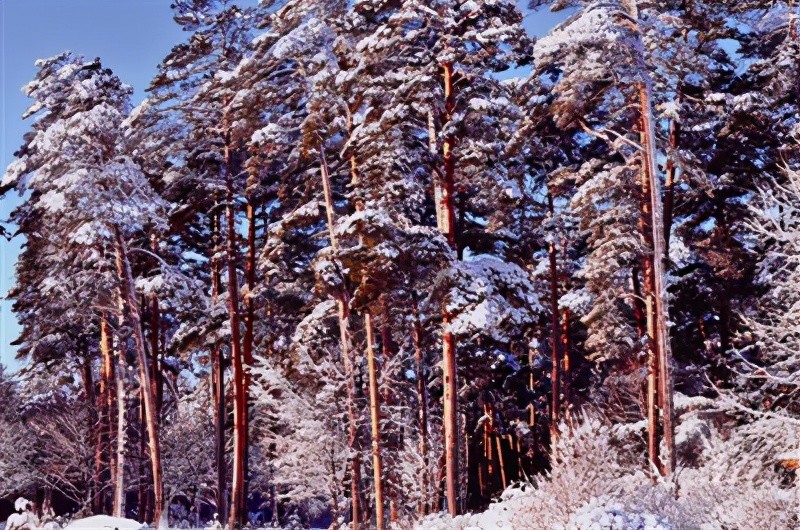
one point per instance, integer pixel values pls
(660, 415)
(103, 461)
(342, 304)
(238, 506)
(128, 297)
(118, 504)
(374, 409)
(445, 210)
(249, 326)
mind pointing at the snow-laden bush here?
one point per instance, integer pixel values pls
(598, 481)
(608, 514)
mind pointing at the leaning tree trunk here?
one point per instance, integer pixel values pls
(658, 331)
(374, 398)
(128, 298)
(342, 303)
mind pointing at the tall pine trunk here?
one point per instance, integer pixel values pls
(238, 508)
(555, 337)
(372, 371)
(660, 308)
(342, 304)
(659, 331)
(118, 478)
(95, 423)
(445, 209)
(422, 411)
(103, 462)
(219, 379)
(249, 330)
(375, 418)
(128, 297)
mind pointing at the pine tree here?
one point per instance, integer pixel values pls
(95, 197)
(189, 132)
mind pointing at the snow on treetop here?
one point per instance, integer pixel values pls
(490, 295)
(590, 26)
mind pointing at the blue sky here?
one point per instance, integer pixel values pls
(130, 36)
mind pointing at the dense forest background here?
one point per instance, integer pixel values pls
(361, 262)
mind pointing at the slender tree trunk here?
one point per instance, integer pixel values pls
(95, 421)
(660, 307)
(566, 375)
(106, 345)
(118, 506)
(374, 397)
(219, 433)
(648, 307)
(128, 295)
(531, 389)
(142, 493)
(374, 409)
(659, 332)
(342, 303)
(450, 420)
(219, 381)
(118, 509)
(157, 379)
(488, 448)
(422, 411)
(249, 333)
(501, 461)
(102, 464)
(555, 337)
(445, 209)
(238, 508)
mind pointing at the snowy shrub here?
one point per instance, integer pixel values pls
(598, 481)
(590, 462)
(606, 514)
(741, 477)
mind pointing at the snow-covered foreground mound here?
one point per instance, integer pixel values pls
(729, 477)
(104, 522)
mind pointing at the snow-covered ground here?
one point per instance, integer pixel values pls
(104, 522)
